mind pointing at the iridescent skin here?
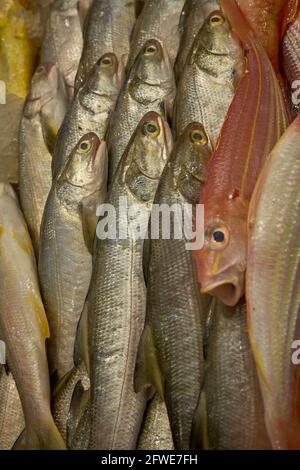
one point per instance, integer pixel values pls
(245, 141)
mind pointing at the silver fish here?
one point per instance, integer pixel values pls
(11, 413)
(43, 114)
(90, 109)
(67, 233)
(117, 295)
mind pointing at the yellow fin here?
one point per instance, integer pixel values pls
(36, 303)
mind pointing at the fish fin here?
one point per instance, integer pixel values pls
(89, 219)
(147, 371)
(49, 134)
(81, 349)
(79, 404)
(43, 438)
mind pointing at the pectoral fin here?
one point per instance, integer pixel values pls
(89, 219)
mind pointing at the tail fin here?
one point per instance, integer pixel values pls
(45, 438)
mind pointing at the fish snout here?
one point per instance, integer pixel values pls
(228, 287)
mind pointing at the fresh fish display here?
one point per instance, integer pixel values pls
(68, 229)
(11, 413)
(159, 19)
(24, 327)
(118, 296)
(272, 287)
(149, 291)
(63, 40)
(234, 406)
(175, 308)
(90, 109)
(234, 168)
(156, 432)
(150, 86)
(208, 81)
(42, 116)
(193, 15)
(108, 29)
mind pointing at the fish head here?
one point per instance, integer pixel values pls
(216, 46)
(107, 75)
(152, 145)
(152, 65)
(194, 150)
(221, 263)
(66, 6)
(47, 94)
(86, 167)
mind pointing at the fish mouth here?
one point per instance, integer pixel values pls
(229, 291)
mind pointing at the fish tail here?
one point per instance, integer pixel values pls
(43, 438)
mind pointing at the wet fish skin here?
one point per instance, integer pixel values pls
(90, 109)
(108, 29)
(43, 114)
(68, 230)
(193, 15)
(11, 413)
(150, 86)
(245, 142)
(208, 81)
(63, 395)
(234, 405)
(117, 296)
(171, 350)
(24, 326)
(272, 287)
(63, 40)
(159, 19)
(156, 432)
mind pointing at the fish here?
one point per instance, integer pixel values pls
(150, 86)
(246, 140)
(234, 405)
(43, 114)
(90, 109)
(84, 7)
(66, 245)
(108, 29)
(170, 355)
(11, 413)
(159, 19)
(18, 50)
(63, 40)
(210, 77)
(24, 326)
(272, 287)
(193, 15)
(156, 432)
(117, 296)
(269, 18)
(290, 49)
(63, 395)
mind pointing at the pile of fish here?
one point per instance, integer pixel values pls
(112, 337)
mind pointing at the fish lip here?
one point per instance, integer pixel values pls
(231, 295)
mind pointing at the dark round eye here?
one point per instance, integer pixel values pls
(216, 20)
(150, 50)
(40, 69)
(151, 129)
(85, 146)
(198, 136)
(218, 236)
(106, 62)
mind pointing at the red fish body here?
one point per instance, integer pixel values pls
(255, 121)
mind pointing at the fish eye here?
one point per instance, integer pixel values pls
(85, 146)
(106, 62)
(216, 20)
(151, 129)
(218, 237)
(40, 69)
(150, 50)
(198, 137)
